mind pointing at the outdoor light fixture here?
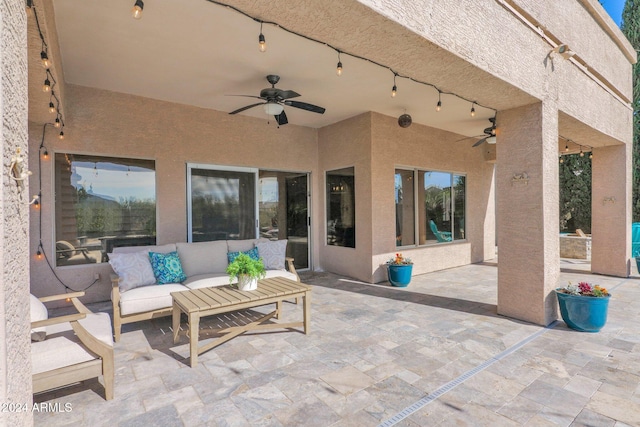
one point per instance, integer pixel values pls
(473, 109)
(339, 67)
(46, 63)
(439, 104)
(581, 152)
(46, 87)
(61, 136)
(52, 108)
(136, 12)
(57, 122)
(394, 89)
(561, 159)
(45, 155)
(39, 254)
(562, 50)
(591, 155)
(261, 40)
(405, 120)
(566, 148)
(273, 109)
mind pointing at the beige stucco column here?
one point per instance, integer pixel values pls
(527, 210)
(611, 210)
(15, 350)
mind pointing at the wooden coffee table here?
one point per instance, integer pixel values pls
(202, 302)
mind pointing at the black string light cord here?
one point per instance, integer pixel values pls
(42, 151)
(353, 55)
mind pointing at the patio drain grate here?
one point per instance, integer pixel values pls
(409, 410)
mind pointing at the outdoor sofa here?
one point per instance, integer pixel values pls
(141, 290)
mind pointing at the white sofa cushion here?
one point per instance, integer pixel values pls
(206, 280)
(38, 312)
(273, 254)
(147, 298)
(281, 273)
(134, 269)
(203, 257)
(162, 249)
(244, 245)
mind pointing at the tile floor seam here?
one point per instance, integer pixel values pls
(416, 406)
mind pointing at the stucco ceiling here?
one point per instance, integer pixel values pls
(197, 53)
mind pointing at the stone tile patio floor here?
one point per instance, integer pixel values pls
(435, 353)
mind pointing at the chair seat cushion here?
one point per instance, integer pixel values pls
(148, 298)
(58, 352)
(206, 280)
(38, 312)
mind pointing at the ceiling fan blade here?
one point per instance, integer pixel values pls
(305, 106)
(288, 94)
(239, 110)
(469, 137)
(480, 141)
(248, 96)
(282, 118)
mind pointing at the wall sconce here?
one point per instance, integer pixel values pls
(17, 170)
(611, 200)
(522, 178)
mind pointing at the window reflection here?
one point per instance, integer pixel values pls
(341, 216)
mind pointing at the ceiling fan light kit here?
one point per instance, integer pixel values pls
(275, 99)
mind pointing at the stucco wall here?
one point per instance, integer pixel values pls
(347, 144)
(15, 350)
(427, 148)
(113, 124)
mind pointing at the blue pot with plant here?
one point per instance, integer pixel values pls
(400, 269)
(583, 307)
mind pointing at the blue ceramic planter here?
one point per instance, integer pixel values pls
(585, 314)
(400, 275)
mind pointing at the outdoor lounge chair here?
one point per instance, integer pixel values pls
(67, 254)
(442, 236)
(72, 348)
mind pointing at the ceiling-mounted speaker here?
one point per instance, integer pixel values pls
(405, 121)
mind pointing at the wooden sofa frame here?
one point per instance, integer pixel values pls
(119, 319)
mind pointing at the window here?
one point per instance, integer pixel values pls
(102, 203)
(341, 212)
(440, 209)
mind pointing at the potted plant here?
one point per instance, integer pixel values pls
(399, 269)
(247, 271)
(583, 307)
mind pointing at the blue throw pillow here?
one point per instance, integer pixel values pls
(167, 267)
(253, 254)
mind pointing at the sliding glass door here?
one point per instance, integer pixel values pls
(241, 203)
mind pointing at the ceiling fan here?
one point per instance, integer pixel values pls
(490, 133)
(488, 136)
(275, 99)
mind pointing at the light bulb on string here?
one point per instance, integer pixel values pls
(581, 153)
(566, 148)
(39, 254)
(46, 87)
(439, 104)
(45, 155)
(52, 108)
(339, 66)
(46, 63)
(61, 135)
(262, 42)
(394, 89)
(136, 12)
(591, 155)
(56, 124)
(561, 159)
(473, 109)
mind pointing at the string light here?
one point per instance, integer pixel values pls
(439, 104)
(339, 66)
(61, 135)
(46, 87)
(39, 254)
(45, 155)
(566, 148)
(561, 159)
(591, 155)
(394, 89)
(473, 109)
(136, 12)
(581, 152)
(57, 122)
(261, 40)
(46, 63)
(52, 108)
